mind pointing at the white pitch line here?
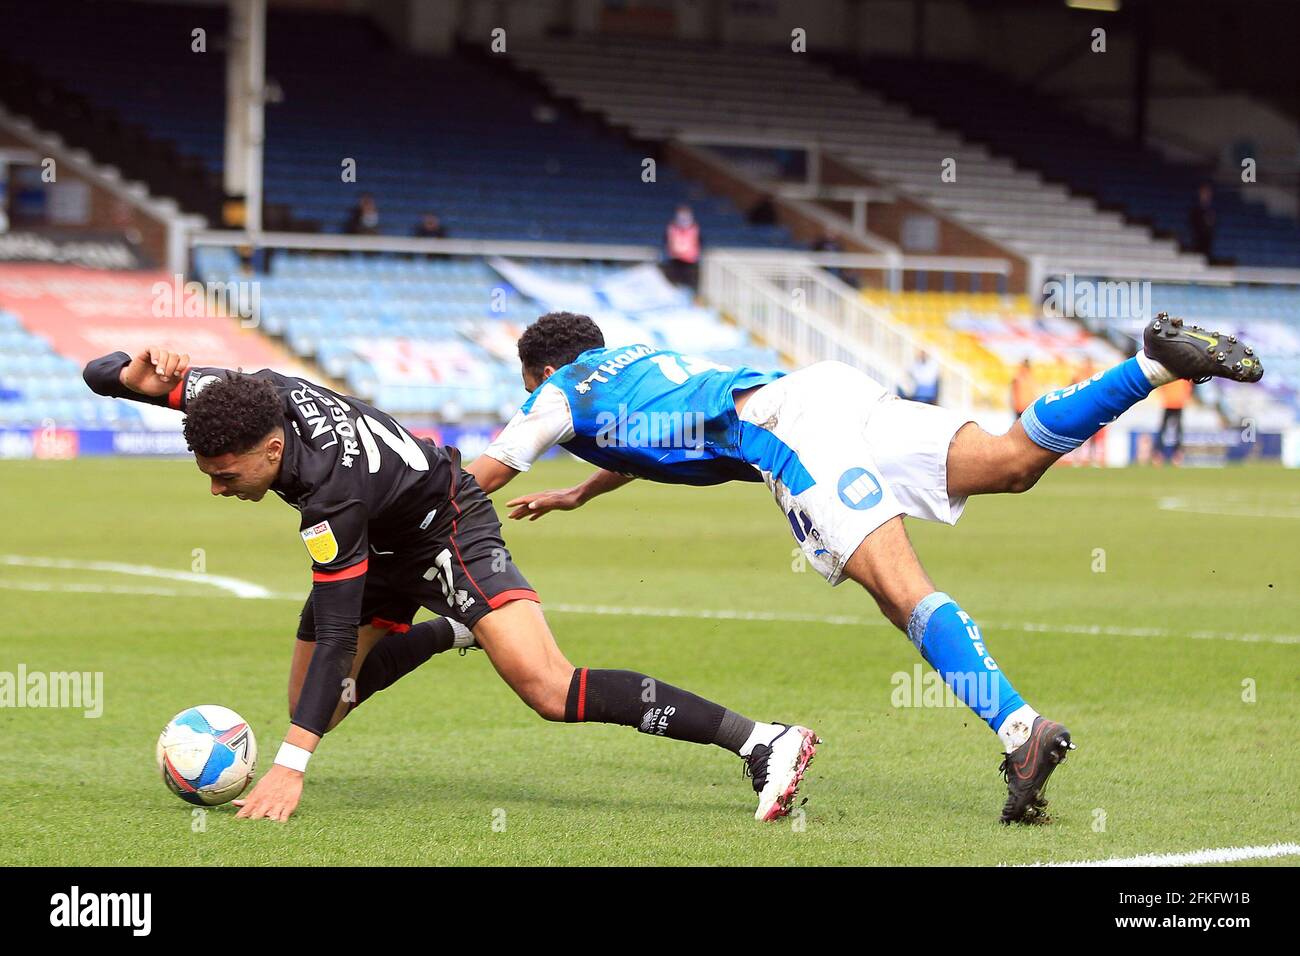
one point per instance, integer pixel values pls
(1099, 630)
(1227, 854)
(236, 586)
(1227, 508)
(781, 617)
(246, 589)
(98, 589)
(1095, 630)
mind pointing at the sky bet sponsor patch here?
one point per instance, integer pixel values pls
(859, 489)
(321, 543)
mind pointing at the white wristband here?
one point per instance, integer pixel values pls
(293, 757)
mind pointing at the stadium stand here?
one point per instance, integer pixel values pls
(658, 90)
(1268, 315)
(992, 334)
(1043, 135)
(38, 385)
(503, 160)
(55, 318)
(493, 161)
(436, 336)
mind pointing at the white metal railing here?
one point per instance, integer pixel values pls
(765, 310)
(812, 316)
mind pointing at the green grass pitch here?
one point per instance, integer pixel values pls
(1154, 612)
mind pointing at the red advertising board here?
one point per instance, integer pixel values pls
(85, 313)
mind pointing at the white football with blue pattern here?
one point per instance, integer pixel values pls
(207, 755)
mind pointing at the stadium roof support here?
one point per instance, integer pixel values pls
(245, 108)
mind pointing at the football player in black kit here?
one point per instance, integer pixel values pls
(393, 524)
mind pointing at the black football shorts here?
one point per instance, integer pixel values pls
(460, 569)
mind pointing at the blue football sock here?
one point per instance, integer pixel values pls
(952, 644)
(1064, 419)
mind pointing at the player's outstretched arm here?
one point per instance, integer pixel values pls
(152, 373)
(539, 503)
(490, 473)
(336, 605)
(543, 422)
(336, 539)
(154, 376)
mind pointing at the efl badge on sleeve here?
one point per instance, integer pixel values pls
(321, 543)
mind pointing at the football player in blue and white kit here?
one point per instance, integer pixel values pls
(845, 460)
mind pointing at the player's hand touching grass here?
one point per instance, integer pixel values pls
(155, 371)
(275, 796)
(539, 503)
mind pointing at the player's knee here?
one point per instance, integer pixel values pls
(1022, 475)
(1019, 467)
(544, 694)
(552, 709)
(549, 705)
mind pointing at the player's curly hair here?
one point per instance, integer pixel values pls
(232, 415)
(556, 339)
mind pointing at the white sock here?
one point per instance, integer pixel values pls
(761, 734)
(461, 636)
(1156, 373)
(1015, 729)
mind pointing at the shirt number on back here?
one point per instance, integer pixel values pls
(407, 448)
(678, 372)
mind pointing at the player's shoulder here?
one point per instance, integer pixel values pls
(551, 395)
(334, 493)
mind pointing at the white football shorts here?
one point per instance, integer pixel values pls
(860, 457)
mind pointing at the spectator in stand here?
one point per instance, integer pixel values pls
(1203, 221)
(1023, 389)
(1174, 397)
(430, 227)
(924, 374)
(682, 247)
(363, 220)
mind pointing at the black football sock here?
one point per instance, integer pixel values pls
(653, 707)
(398, 653)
